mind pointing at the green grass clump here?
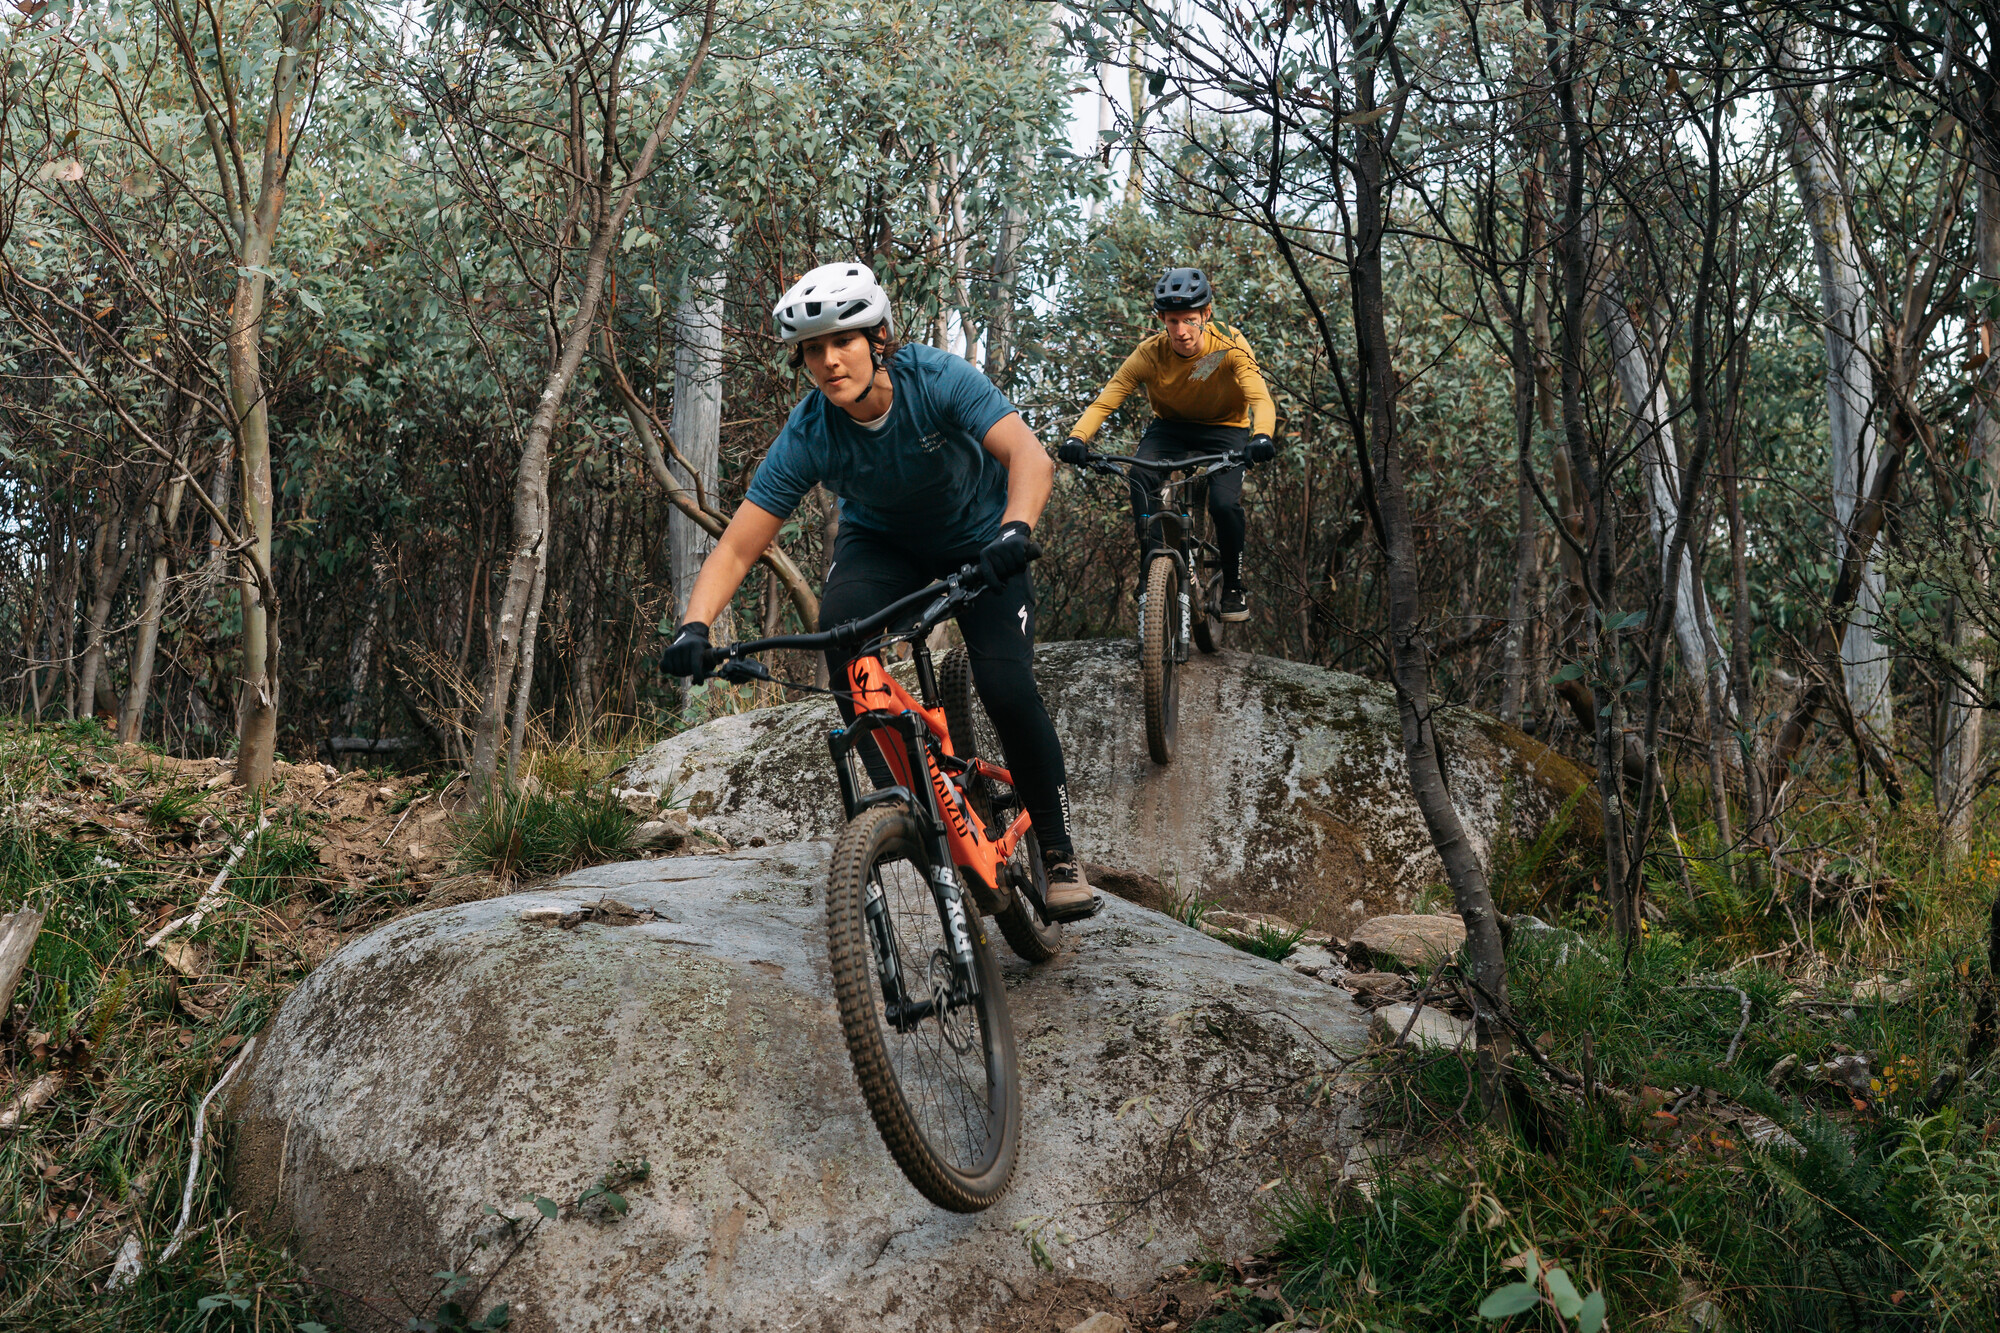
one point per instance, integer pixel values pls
(1268, 941)
(172, 807)
(279, 860)
(532, 833)
(1886, 1216)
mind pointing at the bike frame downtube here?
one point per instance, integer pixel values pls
(883, 705)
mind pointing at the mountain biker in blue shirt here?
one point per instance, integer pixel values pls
(935, 469)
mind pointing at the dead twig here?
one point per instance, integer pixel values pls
(194, 1157)
(1743, 997)
(211, 899)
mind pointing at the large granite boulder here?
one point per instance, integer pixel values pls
(460, 1059)
(1288, 794)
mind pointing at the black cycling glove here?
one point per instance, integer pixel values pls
(1260, 449)
(685, 655)
(1008, 554)
(1074, 450)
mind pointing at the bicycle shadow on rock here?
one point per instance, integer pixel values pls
(460, 1091)
(1289, 793)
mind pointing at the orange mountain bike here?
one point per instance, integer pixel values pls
(920, 994)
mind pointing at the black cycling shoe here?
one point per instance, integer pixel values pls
(1235, 606)
(1070, 897)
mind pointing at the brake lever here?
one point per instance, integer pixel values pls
(741, 671)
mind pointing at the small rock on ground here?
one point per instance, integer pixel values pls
(1433, 1027)
(1101, 1322)
(1405, 940)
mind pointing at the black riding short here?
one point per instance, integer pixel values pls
(870, 570)
(1170, 440)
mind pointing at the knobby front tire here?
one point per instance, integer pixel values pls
(1032, 939)
(946, 1096)
(1158, 678)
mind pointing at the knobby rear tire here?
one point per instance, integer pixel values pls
(883, 836)
(1158, 679)
(1032, 939)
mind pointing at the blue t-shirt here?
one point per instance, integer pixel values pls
(922, 478)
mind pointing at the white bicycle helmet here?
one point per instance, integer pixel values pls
(830, 298)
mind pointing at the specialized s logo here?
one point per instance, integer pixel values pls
(1024, 621)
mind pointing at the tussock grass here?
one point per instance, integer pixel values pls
(106, 1158)
(529, 833)
(1885, 1213)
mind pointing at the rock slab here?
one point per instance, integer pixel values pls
(462, 1058)
(1288, 793)
(1406, 941)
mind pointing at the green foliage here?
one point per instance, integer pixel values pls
(530, 833)
(174, 805)
(275, 862)
(1189, 907)
(1268, 941)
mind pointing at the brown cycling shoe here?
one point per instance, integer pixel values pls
(1070, 896)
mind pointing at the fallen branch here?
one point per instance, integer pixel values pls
(194, 1158)
(1744, 997)
(211, 899)
(31, 1099)
(18, 932)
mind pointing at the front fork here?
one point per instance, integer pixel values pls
(905, 1013)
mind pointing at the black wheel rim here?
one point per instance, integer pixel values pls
(946, 1066)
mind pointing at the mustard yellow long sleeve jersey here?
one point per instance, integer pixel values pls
(1221, 387)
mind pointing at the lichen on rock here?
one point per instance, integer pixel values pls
(1288, 795)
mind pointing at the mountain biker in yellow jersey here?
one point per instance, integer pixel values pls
(935, 470)
(1208, 396)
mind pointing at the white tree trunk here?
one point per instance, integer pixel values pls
(697, 419)
(1850, 383)
(1958, 771)
(1646, 399)
(1006, 283)
(161, 520)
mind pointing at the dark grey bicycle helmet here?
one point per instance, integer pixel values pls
(1182, 289)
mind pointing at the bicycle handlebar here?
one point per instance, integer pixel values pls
(1116, 465)
(946, 596)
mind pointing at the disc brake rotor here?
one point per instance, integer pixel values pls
(955, 1021)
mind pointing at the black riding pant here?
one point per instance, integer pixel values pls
(869, 571)
(1169, 440)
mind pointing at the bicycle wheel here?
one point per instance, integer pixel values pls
(938, 1072)
(1032, 939)
(1158, 678)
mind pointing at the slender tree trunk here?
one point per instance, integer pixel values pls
(1135, 177)
(1527, 562)
(110, 553)
(697, 420)
(1602, 620)
(1850, 387)
(1964, 701)
(1423, 753)
(1006, 282)
(162, 517)
(531, 492)
(526, 683)
(1646, 402)
(584, 610)
(257, 717)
